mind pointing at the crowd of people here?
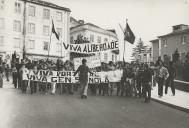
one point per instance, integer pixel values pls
(137, 81)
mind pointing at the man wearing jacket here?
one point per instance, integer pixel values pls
(83, 77)
(170, 79)
(146, 79)
(163, 75)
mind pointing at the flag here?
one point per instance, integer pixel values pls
(53, 31)
(128, 34)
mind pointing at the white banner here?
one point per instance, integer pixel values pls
(67, 76)
(88, 48)
(92, 61)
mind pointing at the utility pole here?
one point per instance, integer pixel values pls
(24, 31)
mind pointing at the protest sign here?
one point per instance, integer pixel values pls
(67, 76)
(88, 48)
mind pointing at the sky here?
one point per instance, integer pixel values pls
(147, 18)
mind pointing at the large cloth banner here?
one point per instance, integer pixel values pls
(92, 61)
(88, 48)
(67, 76)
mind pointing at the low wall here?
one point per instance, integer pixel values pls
(182, 85)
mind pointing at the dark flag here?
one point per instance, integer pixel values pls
(128, 34)
(53, 31)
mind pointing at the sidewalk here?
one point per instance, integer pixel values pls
(179, 101)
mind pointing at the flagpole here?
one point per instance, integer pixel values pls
(125, 41)
(61, 50)
(49, 46)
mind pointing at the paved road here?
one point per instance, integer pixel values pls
(64, 111)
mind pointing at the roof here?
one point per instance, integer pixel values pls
(180, 25)
(154, 40)
(176, 33)
(47, 4)
(85, 24)
(71, 18)
(112, 30)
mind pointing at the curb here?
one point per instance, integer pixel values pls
(171, 105)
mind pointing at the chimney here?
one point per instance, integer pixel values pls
(180, 27)
(81, 21)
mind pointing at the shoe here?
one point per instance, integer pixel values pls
(85, 97)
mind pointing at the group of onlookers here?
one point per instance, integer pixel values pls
(137, 79)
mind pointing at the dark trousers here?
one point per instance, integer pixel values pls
(24, 85)
(160, 86)
(170, 82)
(100, 87)
(139, 88)
(147, 91)
(69, 88)
(118, 87)
(19, 82)
(93, 88)
(33, 86)
(7, 75)
(14, 75)
(103, 89)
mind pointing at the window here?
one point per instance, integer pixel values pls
(92, 38)
(2, 23)
(59, 31)
(59, 47)
(31, 44)
(71, 39)
(105, 40)
(165, 43)
(2, 4)
(31, 10)
(46, 46)
(183, 39)
(105, 56)
(17, 7)
(46, 13)
(1, 40)
(17, 42)
(17, 26)
(46, 30)
(31, 28)
(59, 16)
(99, 39)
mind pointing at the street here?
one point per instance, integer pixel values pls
(67, 111)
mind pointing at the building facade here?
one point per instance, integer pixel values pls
(27, 25)
(95, 34)
(166, 45)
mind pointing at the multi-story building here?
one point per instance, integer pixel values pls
(94, 34)
(27, 25)
(166, 45)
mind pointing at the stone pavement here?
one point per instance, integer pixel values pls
(179, 101)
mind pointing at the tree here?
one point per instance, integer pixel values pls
(139, 49)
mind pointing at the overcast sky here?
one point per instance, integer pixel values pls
(147, 18)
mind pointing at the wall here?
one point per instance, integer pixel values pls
(39, 38)
(86, 31)
(155, 50)
(174, 42)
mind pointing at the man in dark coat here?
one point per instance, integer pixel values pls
(83, 77)
(170, 79)
(146, 79)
